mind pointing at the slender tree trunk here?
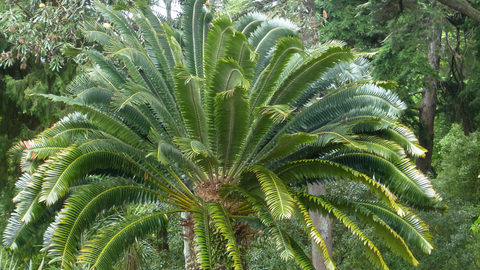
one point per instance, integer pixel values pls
(429, 101)
(324, 227)
(168, 9)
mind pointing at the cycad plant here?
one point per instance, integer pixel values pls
(228, 126)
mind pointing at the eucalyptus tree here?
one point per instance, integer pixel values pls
(228, 129)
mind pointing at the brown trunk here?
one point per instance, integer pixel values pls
(429, 102)
(324, 227)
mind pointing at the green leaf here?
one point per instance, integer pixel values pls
(105, 248)
(221, 220)
(279, 201)
(187, 92)
(286, 144)
(231, 124)
(266, 81)
(81, 209)
(196, 18)
(203, 241)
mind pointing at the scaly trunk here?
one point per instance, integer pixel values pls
(324, 227)
(429, 102)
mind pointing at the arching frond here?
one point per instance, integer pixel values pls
(104, 248)
(80, 211)
(221, 220)
(279, 201)
(203, 241)
(195, 22)
(266, 81)
(231, 124)
(249, 22)
(313, 203)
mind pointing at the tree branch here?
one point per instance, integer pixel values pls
(463, 7)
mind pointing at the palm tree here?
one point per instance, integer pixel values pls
(228, 129)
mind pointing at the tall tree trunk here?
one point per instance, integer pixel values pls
(324, 227)
(168, 8)
(322, 223)
(429, 101)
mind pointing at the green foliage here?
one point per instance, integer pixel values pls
(458, 165)
(195, 143)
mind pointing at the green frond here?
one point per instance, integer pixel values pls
(163, 34)
(195, 22)
(336, 132)
(220, 34)
(390, 236)
(74, 162)
(341, 75)
(196, 151)
(107, 72)
(262, 89)
(350, 107)
(401, 177)
(387, 149)
(278, 198)
(317, 204)
(17, 233)
(249, 22)
(28, 207)
(286, 144)
(119, 22)
(203, 242)
(303, 172)
(187, 92)
(308, 73)
(231, 124)
(81, 209)
(312, 231)
(221, 220)
(272, 227)
(94, 32)
(240, 50)
(43, 148)
(299, 255)
(168, 154)
(267, 35)
(228, 75)
(156, 44)
(105, 248)
(409, 226)
(405, 138)
(149, 76)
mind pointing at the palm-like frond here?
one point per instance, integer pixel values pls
(279, 200)
(221, 220)
(318, 204)
(104, 248)
(203, 237)
(80, 212)
(195, 23)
